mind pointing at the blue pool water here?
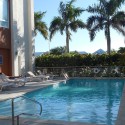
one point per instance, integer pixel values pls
(82, 100)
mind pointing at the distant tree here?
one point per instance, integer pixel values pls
(113, 51)
(40, 26)
(74, 52)
(67, 21)
(58, 50)
(106, 15)
(121, 50)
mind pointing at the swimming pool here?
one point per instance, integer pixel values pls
(81, 100)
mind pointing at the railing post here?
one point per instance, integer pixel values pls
(12, 106)
(18, 120)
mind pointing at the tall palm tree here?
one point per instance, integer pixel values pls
(67, 21)
(40, 26)
(106, 15)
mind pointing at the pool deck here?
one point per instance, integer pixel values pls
(31, 86)
(42, 122)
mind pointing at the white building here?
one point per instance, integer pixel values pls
(16, 36)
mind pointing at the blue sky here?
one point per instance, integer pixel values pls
(80, 40)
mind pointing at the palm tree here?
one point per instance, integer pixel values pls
(40, 26)
(121, 50)
(67, 21)
(106, 15)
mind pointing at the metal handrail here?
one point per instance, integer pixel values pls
(26, 114)
(33, 100)
(12, 106)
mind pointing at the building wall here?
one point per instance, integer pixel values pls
(29, 30)
(22, 36)
(17, 33)
(5, 48)
(17, 41)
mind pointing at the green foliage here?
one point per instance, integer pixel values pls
(122, 60)
(75, 59)
(121, 50)
(58, 50)
(67, 21)
(40, 26)
(104, 16)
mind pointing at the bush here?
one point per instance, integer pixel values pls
(75, 59)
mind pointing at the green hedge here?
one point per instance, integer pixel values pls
(65, 60)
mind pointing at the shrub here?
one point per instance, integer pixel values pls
(75, 59)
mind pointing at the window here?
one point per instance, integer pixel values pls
(1, 59)
(4, 13)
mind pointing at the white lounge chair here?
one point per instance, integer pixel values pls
(5, 85)
(39, 72)
(51, 76)
(33, 76)
(16, 81)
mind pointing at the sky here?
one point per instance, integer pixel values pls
(80, 39)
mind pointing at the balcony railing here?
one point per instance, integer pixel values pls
(93, 71)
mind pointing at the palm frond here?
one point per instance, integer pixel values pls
(93, 9)
(94, 20)
(62, 27)
(78, 11)
(119, 28)
(109, 8)
(113, 6)
(52, 33)
(77, 24)
(92, 34)
(94, 30)
(42, 28)
(119, 16)
(71, 2)
(56, 25)
(41, 24)
(69, 12)
(62, 7)
(44, 33)
(39, 16)
(118, 3)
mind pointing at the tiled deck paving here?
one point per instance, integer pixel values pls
(15, 92)
(42, 122)
(30, 86)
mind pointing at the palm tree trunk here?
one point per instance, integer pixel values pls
(67, 40)
(108, 40)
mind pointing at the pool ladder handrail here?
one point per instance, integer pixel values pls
(28, 114)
